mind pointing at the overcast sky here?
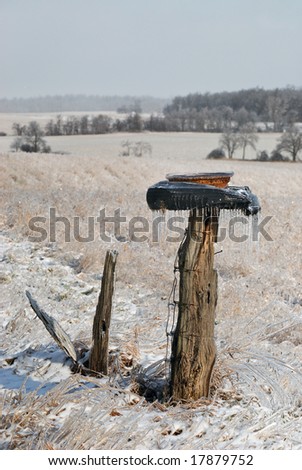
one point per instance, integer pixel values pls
(148, 47)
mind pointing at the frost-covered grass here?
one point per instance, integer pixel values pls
(255, 399)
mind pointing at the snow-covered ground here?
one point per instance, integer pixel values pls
(255, 400)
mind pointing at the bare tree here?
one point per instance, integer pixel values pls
(291, 142)
(101, 124)
(126, 146)
(135, 148)
(18, 128)
(230, 141)
(227, 116)
(140, 148)
(241, 117)
(134, 122)
(31, 140)
(84, 125)
(277, 108)
(247, 137)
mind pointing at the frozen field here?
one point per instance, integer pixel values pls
(255, 400)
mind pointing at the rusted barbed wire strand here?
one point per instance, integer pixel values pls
(172, 314)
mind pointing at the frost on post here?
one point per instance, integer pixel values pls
(193, 347)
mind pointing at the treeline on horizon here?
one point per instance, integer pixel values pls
(79, 103)
(277, 109)
(263, 110)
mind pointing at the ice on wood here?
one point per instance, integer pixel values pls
(179, 196)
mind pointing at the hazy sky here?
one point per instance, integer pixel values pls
(154, 47)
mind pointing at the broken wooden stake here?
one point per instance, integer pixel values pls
(98, 360)
(98, 357)
(53, 328)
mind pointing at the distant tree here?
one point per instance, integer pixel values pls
(58, 126)
(134, 122)
(126, 147)
(33, 136)
(277, 108)
(50, 128)
(140, 148)
(242, 117)
(200, 121)
(247, 137)
(291, 142)
(292, 117)
(230, 141)
(191, 116)
(76, 125)
(176, 121)
(118, 125)
(101, 124)
(31, 140)
(227, 116)
(68, 126)
(212, 120)
(155, 124)
(84, 125)
(18, 128)
(135, 148)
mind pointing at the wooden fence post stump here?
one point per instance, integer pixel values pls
(98, 359)
(193, 346)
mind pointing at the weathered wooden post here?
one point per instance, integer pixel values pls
(193, 346)
(98, 359)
